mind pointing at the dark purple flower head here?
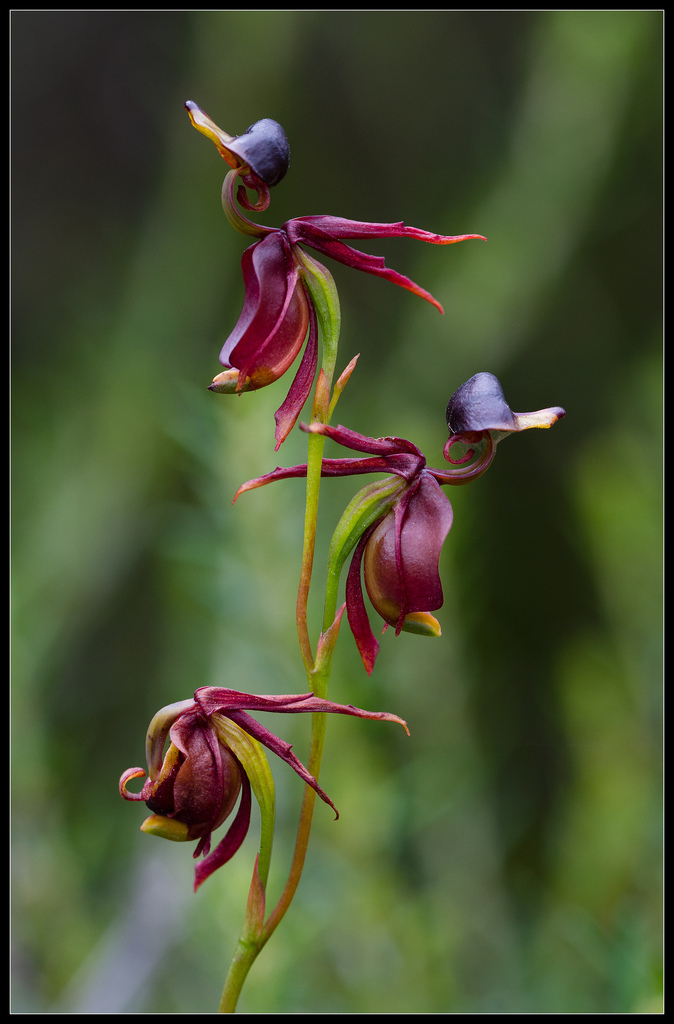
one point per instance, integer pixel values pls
(277, 311)
(263, 149)
(479, 406)
(193, 787)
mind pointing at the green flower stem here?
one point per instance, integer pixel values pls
(321, 286)
(244, 958)
(255, 934)
(253, 758)
(314, 461)
(318, 681)
(251, 943)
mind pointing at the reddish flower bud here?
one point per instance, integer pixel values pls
(193, 788)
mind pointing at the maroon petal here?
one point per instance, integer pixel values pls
(406, 466)
(220, 699)
(275, 315)
(199, 786)
(286, 415)
(232, 840)
(213, 699)
(324, 232)
(235, 705)
(366, 642)
(407, 580)
(281, 748)
(341, 227)
(359, 443)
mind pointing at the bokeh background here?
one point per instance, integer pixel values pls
(506, 858)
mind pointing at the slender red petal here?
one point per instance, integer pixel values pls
(286, 415)
(341, 227)
(235, 705)
(232, 840)
(405, 466)
(366, 642)
(280, 748)
(213, 699)
(359, 443)
(323, 233)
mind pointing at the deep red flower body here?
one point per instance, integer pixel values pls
(398, 550)
(401, 563)
(401, 548)
(193, 787)
(275, 318)
(277, 312)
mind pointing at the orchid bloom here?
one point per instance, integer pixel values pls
(212, 759)
(278, 311)
(479, 408)
(398, 525)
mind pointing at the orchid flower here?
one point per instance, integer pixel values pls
(398, 526)
(277, 314)
(214, 756)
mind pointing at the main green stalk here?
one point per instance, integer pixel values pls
(256, 931)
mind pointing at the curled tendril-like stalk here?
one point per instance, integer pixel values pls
(253, 183)
(471, 438)
(466, 473)
(237, 179)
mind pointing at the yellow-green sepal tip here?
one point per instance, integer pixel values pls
(166, 828)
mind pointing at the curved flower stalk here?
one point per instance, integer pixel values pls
(398, 526)
(275, 319)
(214, 756)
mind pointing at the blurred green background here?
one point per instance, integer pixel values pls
(506, 858)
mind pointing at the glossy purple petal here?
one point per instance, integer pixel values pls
(480, 405)
(265, 149)
(275, 316)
